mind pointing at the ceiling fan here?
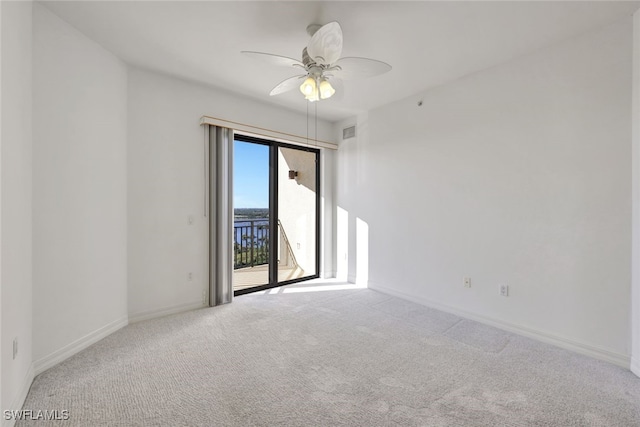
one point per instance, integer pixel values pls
(321, 64)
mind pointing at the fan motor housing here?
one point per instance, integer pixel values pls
(306, 59)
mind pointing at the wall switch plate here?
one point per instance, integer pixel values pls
(466, 281)
(504, 290)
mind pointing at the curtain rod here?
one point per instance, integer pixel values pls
(274, 134)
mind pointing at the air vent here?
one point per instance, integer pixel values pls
(349, 132)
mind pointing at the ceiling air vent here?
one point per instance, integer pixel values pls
(349, 132)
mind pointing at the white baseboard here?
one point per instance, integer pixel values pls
(635, 366)
(164, 311)
(568, 344)
(328, 275)
(18, 401)
(78, 345)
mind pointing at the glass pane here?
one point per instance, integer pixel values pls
(251, 215)
(296, 214)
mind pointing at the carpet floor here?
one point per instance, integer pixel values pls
(322, 355)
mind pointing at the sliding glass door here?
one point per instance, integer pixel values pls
(276, 214)
(297, 216)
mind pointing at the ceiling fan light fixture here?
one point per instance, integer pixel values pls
(308, 87)
(326, 90)
(313, 97)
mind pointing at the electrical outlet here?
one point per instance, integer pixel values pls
(190, 219)
(15, 347)
(504, 290)
(190, 276)
(467, 282)
(204, 297)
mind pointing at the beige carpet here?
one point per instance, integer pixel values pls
(350, 357)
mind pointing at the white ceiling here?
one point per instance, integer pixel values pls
(427, 43)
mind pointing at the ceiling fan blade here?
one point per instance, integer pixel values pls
(335, 82)
(325, 47)
(274, 59)
(287, 85)
(359, 68)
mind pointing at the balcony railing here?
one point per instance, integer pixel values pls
(250, 242)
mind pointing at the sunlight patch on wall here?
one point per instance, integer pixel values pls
(342, 244)
(362, 252)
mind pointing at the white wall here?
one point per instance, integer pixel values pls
(328, 213)
(167, 184)
(635, 291)
(517, 175)
(79, 190)
(350, 181)
(16, 202)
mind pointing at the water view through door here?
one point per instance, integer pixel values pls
(276, 228)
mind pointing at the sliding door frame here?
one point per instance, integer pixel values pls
(273, 211)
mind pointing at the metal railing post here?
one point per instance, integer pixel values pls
(252, 243)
